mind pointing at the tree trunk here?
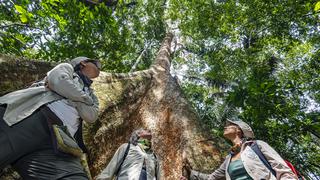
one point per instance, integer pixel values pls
(151, 99)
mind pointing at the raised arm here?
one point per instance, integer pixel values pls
(217, 174)
(60, 80)
(88, 113)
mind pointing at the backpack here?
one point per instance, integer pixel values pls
(254, 146)
(294, 170)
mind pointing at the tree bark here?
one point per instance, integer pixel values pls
(151, 99)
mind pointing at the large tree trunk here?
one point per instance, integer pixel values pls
(151, 99)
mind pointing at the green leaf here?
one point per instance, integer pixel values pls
(20, 9)
(23, 18)
(317, 6)
(23, 13)
(20, 38)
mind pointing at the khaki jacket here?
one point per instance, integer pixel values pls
(132, 165)
(253, 165)
(63, 83)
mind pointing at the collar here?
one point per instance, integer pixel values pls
(240, 147)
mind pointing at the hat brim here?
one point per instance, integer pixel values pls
(229, 122)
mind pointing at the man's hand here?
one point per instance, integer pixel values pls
(183, 178)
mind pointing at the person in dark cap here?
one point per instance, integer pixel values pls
(41, 126)
(243, 162)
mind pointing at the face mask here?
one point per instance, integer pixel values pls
(145, 143)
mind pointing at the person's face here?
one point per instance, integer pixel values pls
(145, 134)
(90, 69)
(231, 131)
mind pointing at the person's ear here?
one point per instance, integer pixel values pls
(239, 132)
(82, 64)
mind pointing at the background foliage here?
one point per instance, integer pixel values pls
(258, 60)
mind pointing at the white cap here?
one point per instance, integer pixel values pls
(246, 129)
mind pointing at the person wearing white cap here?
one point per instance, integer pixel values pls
(41, 126)
(243, 162)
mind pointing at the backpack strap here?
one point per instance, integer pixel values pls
(254, 146)
(157, 164)
(123, 158)
(79, 138)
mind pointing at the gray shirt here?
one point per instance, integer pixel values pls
(64, 83)
(132, 165)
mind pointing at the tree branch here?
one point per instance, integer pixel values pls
(18, 24)
(134, 67)
(13, 24)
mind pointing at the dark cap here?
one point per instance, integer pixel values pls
(74, 62)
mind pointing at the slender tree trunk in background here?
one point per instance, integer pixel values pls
(151, 99)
